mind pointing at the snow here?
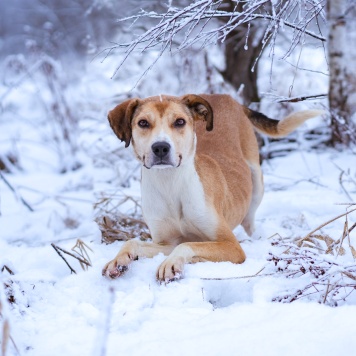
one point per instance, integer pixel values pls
(58, 313)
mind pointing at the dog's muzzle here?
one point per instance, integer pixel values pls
(161, 154)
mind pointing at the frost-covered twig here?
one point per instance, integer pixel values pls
(296, 99)
(257, 274)
(330, 281)
(117, 225)
(80, 259)
(60, 255)
(23, 201)
(341, 180)
(326, 223)
(188, 26)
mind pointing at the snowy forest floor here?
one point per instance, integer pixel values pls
(55, 312)
(289, 297)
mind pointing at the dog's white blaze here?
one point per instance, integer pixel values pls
(173, 199)
(163, 137)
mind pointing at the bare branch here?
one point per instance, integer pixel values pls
(192, 21)
(327, 276)
(81, 260)
(326, 223)
(296, 99)
(23, 201)
(57, 249)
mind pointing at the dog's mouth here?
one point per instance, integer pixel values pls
(162, 163)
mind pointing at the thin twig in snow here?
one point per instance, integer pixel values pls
(4, 267)
(59, 253)
(238, 277)
(326, 223)
(23, 201)
(81, 260)
(296, 99)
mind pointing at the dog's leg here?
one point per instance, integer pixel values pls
(225, 248)
(257, 194)
(132, 250)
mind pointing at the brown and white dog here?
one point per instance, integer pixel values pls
(198, 183)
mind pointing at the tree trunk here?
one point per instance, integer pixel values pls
(240, 56)
(339, 82)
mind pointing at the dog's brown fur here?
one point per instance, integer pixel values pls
(211, 183)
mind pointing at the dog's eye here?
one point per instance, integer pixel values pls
(179, 123)
(143, 124)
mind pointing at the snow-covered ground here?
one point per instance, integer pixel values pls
(59, 313)
(54, 312)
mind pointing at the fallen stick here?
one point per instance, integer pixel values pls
(238, 277)
(56, 248)
(23, 201)
(302, 98)
(71, 254)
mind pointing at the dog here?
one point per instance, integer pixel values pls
(201, 176)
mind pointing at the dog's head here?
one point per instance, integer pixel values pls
(162, 128)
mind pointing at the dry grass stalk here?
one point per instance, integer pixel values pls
(332, 245)
(80, 248)
(328, 222)
(316, 242)
(5, 331)
(331, 283)
(122, 228)
(110, 203)
(353, 251)
(115, 225)
(82, 259)
(5, 335)
(348, 180)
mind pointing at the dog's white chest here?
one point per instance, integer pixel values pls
(174, 199)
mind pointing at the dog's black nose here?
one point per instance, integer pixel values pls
(161, 149)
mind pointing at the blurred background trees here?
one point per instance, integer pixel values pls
(55, 57)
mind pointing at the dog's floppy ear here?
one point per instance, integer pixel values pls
(200, 109)
(120, 119)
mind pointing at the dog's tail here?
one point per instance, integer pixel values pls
(275, 128)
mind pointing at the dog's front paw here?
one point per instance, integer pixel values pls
(170, 270)
(114, 268)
